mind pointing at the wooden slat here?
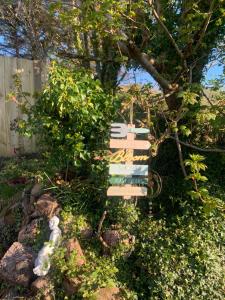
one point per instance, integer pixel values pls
(25, 68)
(130, 191)
(11, 107)
(120, 130)
(130, 137)
(32, 74)
(139, 130)
(121, 180)
(3, 130)
(120, 169)
(126, 144)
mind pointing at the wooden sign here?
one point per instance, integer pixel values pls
(126, 144)
(130, 137)
(120, 130)
(121, 169)
(124, 156)
(121, 180)
(128, 180)
(127, 191)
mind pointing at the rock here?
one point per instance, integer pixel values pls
(86, 233)
(9, 294)
(16, 266)
(42, 286)
(35, 192)
(111, 237)
(29, 232)
(71, 285)
(108, 293)
(19, 180)
(73, 245)
(47, 206)
(114, 237)
(9, 219)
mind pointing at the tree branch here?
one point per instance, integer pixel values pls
(133, 52)
(166, 30)
(199, 148)
(180, 154)
(100, 228)
(205, 26)
(210, 102)
(84, 57)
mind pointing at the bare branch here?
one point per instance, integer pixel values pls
(199, 148)
(101, 222)
(100, 228)
(133, 52)
(180, 154)
(206, 24)
(80, 56)
(210, 102)
(166, 30)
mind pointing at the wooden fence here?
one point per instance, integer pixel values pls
(32, 75)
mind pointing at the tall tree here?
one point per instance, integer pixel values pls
(172, 40)
(43, 29)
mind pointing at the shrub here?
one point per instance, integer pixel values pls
(181, 259)
(71, 116)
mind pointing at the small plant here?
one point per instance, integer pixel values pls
(71, 116)
(200, 192)
(99, 272)
(196, 166)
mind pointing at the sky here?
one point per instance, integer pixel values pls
(142, 77)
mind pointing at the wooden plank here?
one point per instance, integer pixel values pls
(120, 130)
(11, 143)
(3, 129)
(138, 130)
(130, 191)
(126, 144)
(11, 107)
(121, 169)
(130, 137)
(121, 180)
(25, 68)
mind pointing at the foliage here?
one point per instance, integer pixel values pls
(179, 251)
(201, 192)
(71, 116)
(97, 272)
(181, 258)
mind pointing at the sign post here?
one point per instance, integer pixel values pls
(128, 179)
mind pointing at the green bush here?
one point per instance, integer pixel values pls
(182, 258)
(71, 116)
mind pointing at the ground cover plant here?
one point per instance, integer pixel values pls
(169, 245)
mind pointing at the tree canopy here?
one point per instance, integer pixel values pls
(170, 244)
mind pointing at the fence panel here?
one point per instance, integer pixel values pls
(32, 75)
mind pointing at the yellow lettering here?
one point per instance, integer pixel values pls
(124, 156)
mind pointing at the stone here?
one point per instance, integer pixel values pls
(108, 293)
(71, 285)
(9, 219)
(114, 237)
(16, 266)
(42, 286)
(17, 181)
(111, 237)
(29, 232)
(9, 294)
(73, 245)
(86, 233)
(47, 206)
(35, 192)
